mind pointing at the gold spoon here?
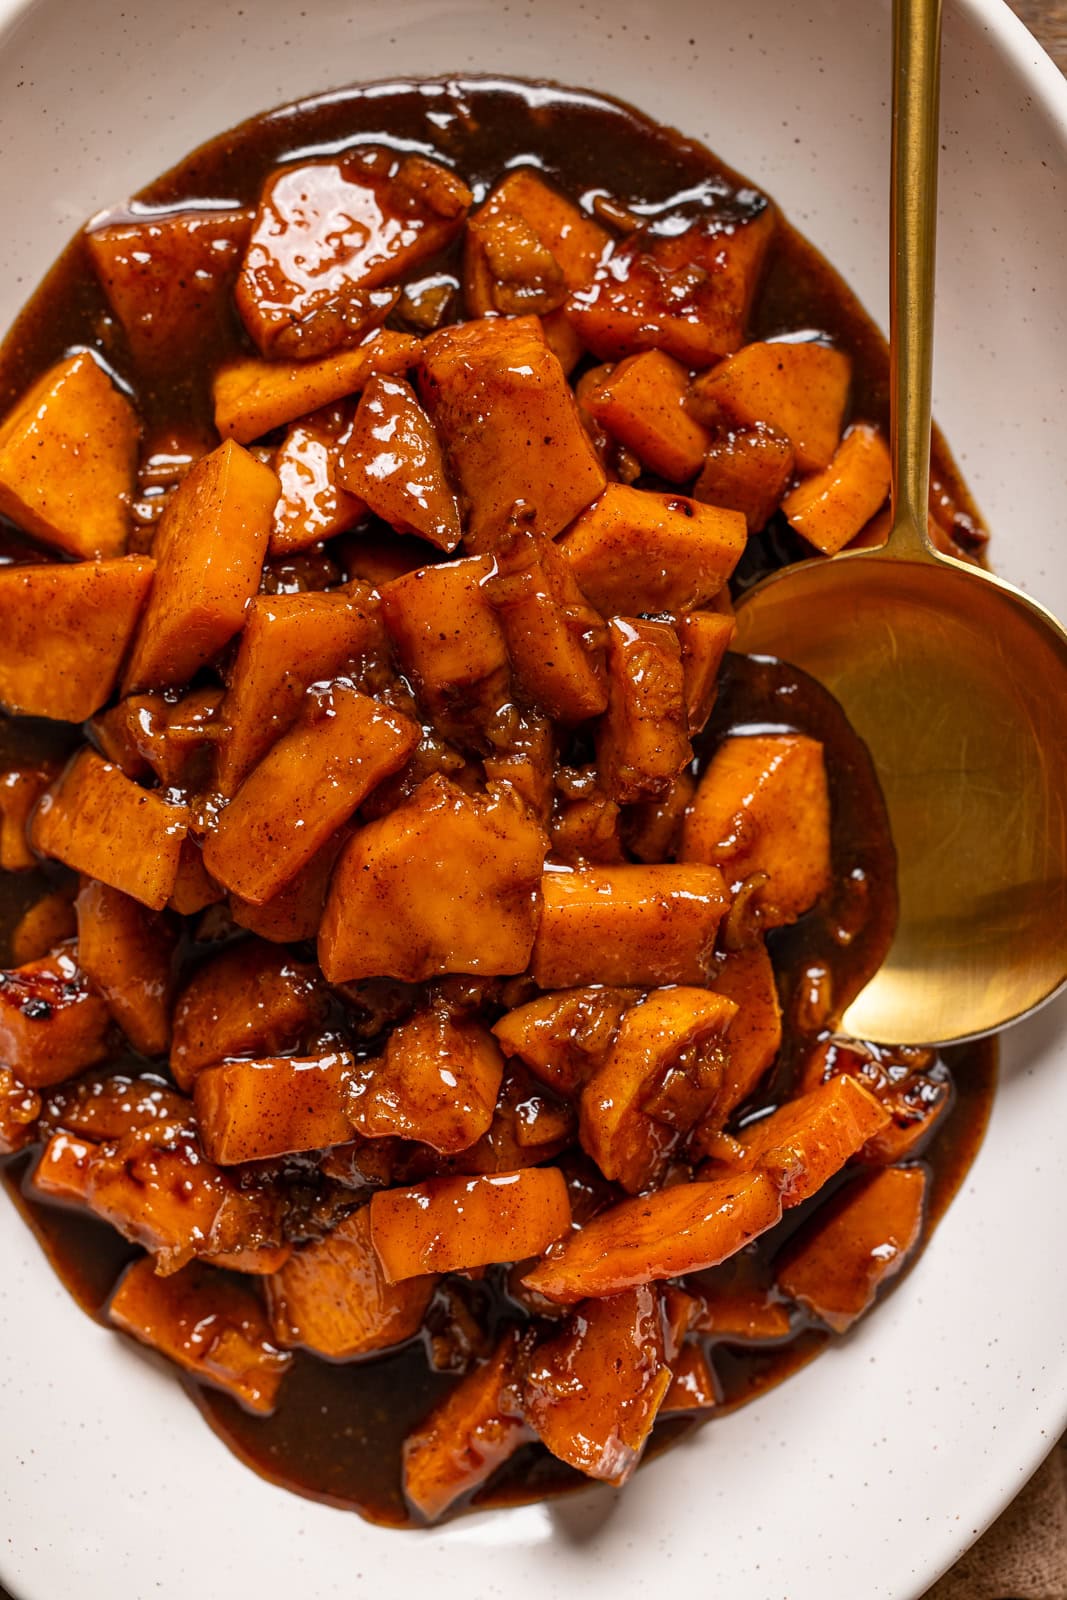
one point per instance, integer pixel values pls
(956, 680)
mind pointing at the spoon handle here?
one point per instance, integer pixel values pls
(913, 227)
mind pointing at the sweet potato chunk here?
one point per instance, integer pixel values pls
(830, 508)
(587, 829)
(127, 953)
(252, 397)
(627, 925)
(839, 1260)
(738, 1304)
(527, 761)
(448, 1224)
(635, 551)
(331, 1296)
(651, 829)
(449, 638)
(799, 389)
(747, 978)
(554, 637)
(312, 504)
(20, 790)
(592, 1393)
(62, 1172)
(437, 1082)
(641, 403)
(660, 1077)
(68, 454)
(249, 1000)
(208, 1326)
(642, 741)
(43, 925)
(807, 1140)
(912, 1083)
(525, 247)
(747, 470)
(704, 638)
(677, 1230)
(305, 788)
(763, 807)
(448, 882)
(19, 1110)
(563, 1037)
(106, 1105)
(295, 912)
(252, 1110)
(98, 822)
(507, 418)
(693, 1386)
(392, 460)
(64, 630)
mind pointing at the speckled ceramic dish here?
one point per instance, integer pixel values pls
(868, 1473)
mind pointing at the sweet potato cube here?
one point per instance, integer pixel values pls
(554, 637)
(830, 508)
(305, 788)
(642, 741)
(704, 638)
(661, 1075)
(635, 551)
(449, 1224)
(645, 926)
(747, 470)
(507, 419)
(911, 1082)
(526, 246)
(681, 1229)
(687, 293)
(527, 761)
(20, 790)
(43, 925)
(295, 912)
(449, 638)
(592, 1393)
(97, 821)
(19, 1110)
(737, 1305)
(52, 1025)
(252, 1110)
(437, 1082)
(312, 504)
(250, 1000)
(68, 454)
(747, 978)
(839, 1260)
(587, 829)
(563, 1037)
(798, 389)
(641, 403)
(448, 882)
(651, 829)
(62, 1171)
(252, 397)
(693, 1386)
(127, 953)
(392, 460)
(807, 1140)
(763, 807)
(106, 1105)
(194, 887)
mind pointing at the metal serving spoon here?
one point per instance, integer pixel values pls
(956, 680)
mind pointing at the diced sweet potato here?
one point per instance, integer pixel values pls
(20, 790)
(704, 638)
(62, 1172)
(634, 551)
(194, 887)
(554, 637)
(19, 1110)
(312, 504)
(641, 403)
(563, 1037)
(448, 1224)
(252, 1110)
(527, 761)
(799, 389)
(662, 1073)
(592, 1393)
(747, 470)
(762, 806)
(642, 741)
(503, 268)
(252, 396)
(97, 821)
(912, 1083)
(437, 1082)
(507, 418)
(209, 553)
(448, 882)
(128, 955)
(305, 788)
(830, 508)
(681, 1229)
(646, 925)
(686, 292)
(392, 460)
(174, 738)
(64, 630)
(808, 1139)
(693, 1386)
(68, 454)
(840, 1259)
(747, 978)
(738, 1304)
(295, 912)
(331, 1296)
(52, 1025)
(43, 925)
(651, 830)
(472, 1432)
(105, 1105)
(587, 829)
(250, 1000)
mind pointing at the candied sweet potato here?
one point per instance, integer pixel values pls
(830, 508)
(911, 1082)
(295, 912)
(746, 977)
(436, 1082)
(799, 389)
(449, 638)
(312, 503)
(252, 396)
(693, 1386)
(19, 1110)
(747, 470)
(554, 638)
(527, 761)
(703, 638)
(651, 829)
(107, 1104)
(641, 403)
(808, 1139)
(194, 887)
(562, 1037)
(251, 999)
(587, 829)
(393, 461)
(642, 741)
(62, 1170)
(68, 453)
(127, 953)
(43, 925)
(20, 790)
(252, 1110)
(448, 1224)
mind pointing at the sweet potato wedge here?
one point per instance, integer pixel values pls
(252, 1110)
(911, 1082)
(563, 1037)
(19, 1110)
(252, 397)
(641, 403)
(830, 508)
(798, 389)
(554, 637)
(747, 978)
(747, 470)
(250, 1000)
(642, 741)
(448, 1224)
(392, 461)
(703, 638)
(312, 504)
(808, 1139)
(436, 1082)
(20, 790)
(194, 887)
(527, 761)
(127, 953)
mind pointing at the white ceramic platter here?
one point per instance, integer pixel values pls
(868, 1473)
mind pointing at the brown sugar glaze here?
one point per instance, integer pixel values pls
(339, 1428)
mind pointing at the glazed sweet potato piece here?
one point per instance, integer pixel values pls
(68, 454)
(554, 638)
(676, 1230)
(312, 504)
(331, 1296)
(436, 1082)
(830, 508)
(62, 1170)
(642, 926)
(252, 1110)
(64, 630)
(127, 953)
(562, 1037)
(747, 470)
(19, 1110)
(588, 830)
(808, 1139)
(798, 389)
(295, 912)
(448, 882)
(305, 788)
(693, 1386)
(194, 887)
(392, 460)
(747, 978)
(527, 761)
(46, 923)
(252, 397)
(592, 1393)
(661, 1075)
(703, 638)
(838, 1261)
(642, 741)
(105, 1105)
(206, 1324)
(20, 790)
(635, 551)
(98, 822)
(651, 830)
(249, 1000)
(448, 1224)
(911, 1082)
(641, 403)
(507, 418)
